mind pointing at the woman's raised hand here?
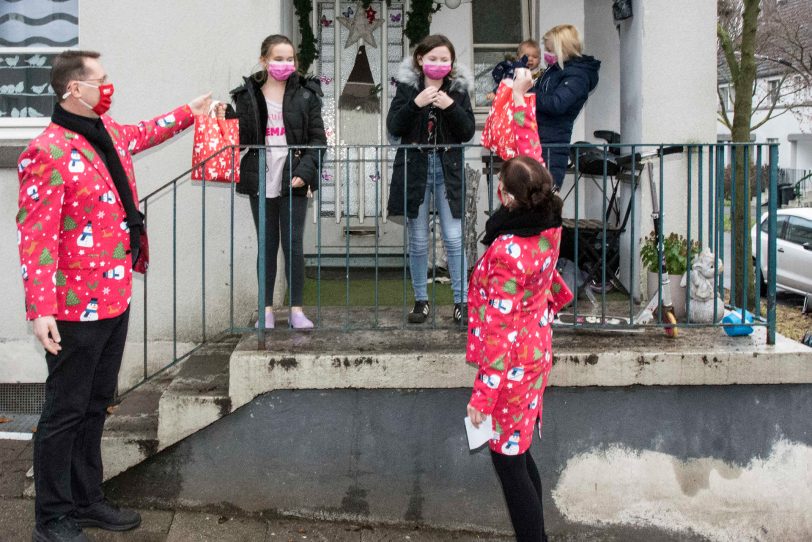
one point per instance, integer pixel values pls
(522, 81)
(201, 104)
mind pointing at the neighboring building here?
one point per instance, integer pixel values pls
(781, 92)
(160, 54)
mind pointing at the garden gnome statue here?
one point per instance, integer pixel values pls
(703, 274)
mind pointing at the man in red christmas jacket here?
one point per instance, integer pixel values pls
(80, 236)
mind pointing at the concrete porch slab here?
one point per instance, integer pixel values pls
(424, 357)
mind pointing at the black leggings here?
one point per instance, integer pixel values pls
(280, 222)
(521, 485)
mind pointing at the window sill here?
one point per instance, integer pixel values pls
(10, 150)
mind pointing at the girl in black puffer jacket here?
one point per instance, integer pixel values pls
(279, 107)
(431, 107)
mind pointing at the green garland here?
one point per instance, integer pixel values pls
(307, 44)
(418, 20)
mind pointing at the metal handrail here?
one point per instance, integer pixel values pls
(702, 213)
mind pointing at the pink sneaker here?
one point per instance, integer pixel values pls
(269, 321)
(298, 320)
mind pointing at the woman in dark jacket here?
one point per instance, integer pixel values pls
(280, 108)
(431, 107)
(561, 92)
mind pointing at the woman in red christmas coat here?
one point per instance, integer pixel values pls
(514, 293)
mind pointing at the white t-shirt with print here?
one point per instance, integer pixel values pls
(275, 157)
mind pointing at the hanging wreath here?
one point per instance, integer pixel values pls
(307, 43)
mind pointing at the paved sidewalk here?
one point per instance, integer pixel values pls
(17, 519)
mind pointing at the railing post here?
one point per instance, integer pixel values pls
(146, 305)
(203, 255)
(261, 242)
(231, 190)
(771, 243)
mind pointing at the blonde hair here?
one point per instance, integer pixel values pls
(533, 44)
(566, 42)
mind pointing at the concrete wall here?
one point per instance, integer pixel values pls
(698, 463)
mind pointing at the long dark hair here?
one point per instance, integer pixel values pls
(531, 185)
(265, 49)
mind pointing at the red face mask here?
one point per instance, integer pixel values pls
(105, 98)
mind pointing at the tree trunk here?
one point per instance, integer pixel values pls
(742, 272)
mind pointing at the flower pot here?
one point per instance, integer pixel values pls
(677, 292)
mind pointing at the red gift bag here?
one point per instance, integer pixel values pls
(510, 131)
(213, 135)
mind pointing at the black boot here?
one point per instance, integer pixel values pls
(62, 529)
(105, 515)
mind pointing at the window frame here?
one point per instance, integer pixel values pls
(528, 22)
(23, 127)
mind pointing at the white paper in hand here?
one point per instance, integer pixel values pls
(481, 435)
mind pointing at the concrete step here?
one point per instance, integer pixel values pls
(131, 431)
(198, 395)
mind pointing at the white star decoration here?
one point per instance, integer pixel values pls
(360, 28)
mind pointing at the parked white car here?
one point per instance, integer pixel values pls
(794, 249)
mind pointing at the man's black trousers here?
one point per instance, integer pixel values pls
(81, 385)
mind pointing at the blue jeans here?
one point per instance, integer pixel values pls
(418, 230)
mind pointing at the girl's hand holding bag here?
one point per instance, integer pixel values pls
(213, 133)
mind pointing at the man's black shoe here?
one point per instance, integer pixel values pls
(419, 313)
(105, 515)
(62, 529)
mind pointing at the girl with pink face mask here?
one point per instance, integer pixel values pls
(431, 108)
(279, 108)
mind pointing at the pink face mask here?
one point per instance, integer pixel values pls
(550, 58)
(281, 70)
(436, 71)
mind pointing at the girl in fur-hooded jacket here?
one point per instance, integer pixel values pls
(431, 107)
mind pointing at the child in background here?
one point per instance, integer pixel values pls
(528, 55)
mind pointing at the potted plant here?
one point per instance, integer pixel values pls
(678, 259)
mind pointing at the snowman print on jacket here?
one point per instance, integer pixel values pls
(511, 447)
(76, 165)
(91, 312)
(85, 239)
(108, 197)
(116, 273)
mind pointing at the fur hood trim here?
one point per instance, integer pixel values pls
(462, 79)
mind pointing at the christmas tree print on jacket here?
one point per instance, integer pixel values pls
(513, 295)
(71, 229)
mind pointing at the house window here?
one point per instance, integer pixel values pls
(774, 88)
(498, 28)
(32, 33)
(724, 92)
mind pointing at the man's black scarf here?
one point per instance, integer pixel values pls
(520, 222)
(94, 131)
